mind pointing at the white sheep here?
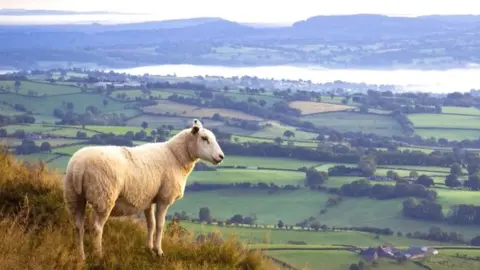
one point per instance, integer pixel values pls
(120, 181)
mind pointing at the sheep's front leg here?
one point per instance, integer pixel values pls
(150, 218)
(160, 220)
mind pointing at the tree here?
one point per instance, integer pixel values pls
(105, 102)
(45, 146)
(456, 169)
(262, 102)
(288, 134)
(204, 214)
(280, 224)
(425, 181)
(475, 241)
(414, 174)
(473, 182)
(278, 140)
(3, 133)
(368, 165)
(354, 266)
(315, 178)
(144, 125)
(70, 106)
(17, 85)
(452, 181)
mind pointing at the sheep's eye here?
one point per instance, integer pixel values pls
(205, 139)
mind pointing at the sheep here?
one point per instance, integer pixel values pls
(122, 181)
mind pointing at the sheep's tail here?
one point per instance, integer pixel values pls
(73, 189)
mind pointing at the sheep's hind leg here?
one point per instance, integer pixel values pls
(80, 225)
(99, 224)
(160, 219)
(149, 217)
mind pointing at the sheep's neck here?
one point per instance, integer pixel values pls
(183, 157)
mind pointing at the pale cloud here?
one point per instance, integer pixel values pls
(255, 10)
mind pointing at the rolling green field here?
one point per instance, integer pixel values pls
(40, 88)
(348, 121)
(282, 163)
(269, 99)
(294, 206)
(449, 134)
(425, 120)
(46, 105)
(134, 93)
(277, 130)
(461, 110)
(226, 176)
(275, 238)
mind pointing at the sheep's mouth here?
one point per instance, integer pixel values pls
(216, 161)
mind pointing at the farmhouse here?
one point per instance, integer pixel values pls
(413, 252)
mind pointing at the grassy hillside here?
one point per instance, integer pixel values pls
(347, 121)
(34, 221)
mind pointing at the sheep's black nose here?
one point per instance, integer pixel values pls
(221, 156)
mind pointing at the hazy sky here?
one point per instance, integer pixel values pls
(279, 11)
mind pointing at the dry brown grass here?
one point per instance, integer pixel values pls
(165, 106)
(311, 107)
(36, 233)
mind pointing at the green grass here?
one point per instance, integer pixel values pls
(225, 176)
(274, 238)
(134, 93)
(69, 150)
(450, 262)
(40, 88)
(183, 122)
(242, 139)
(28, 128)
(426, 120)
(118, 130)
(294, 206)
(8, 110)
(126, 112)
(277, 130)
(244, 97)
(53, 142)
(46, 105)
(448, 197)
(59, 164)
(461, 110)
(266, 162)
(316, 260)
(356, 122)
(449, 134)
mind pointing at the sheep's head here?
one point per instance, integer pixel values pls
(207, 147)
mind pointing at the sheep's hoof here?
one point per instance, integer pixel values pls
(158, 253)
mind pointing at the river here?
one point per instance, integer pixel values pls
(436, 81)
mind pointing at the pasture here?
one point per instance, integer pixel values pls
(227, 176)
(277, 130)
(269, 99)
(461, 110)
(426, 120)
(40, 88)
(449, 134)
(46, 105)
(310, 107)
(294, 206)
(178, 109)
(278, 238)
(356, 122)
(267, 162)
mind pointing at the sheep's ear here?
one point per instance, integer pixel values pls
(197, 123)
(195, 129)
